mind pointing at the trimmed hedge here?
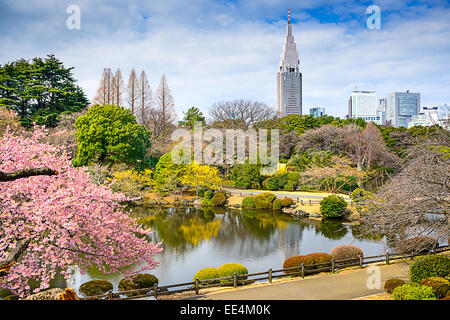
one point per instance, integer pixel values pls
(248, 203)
(138, 281)
(277, 204)
(228, 269)
(219, 199)
(413, 291)
(264, 200)
(307, 260)
(95, 287)
(429, 266)
(391, 284)
(287, 202)
(439, 285)
(416, 245)
(206, 274)
(333, 206)
(344, 251)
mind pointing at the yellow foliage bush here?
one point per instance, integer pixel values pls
(131, 182)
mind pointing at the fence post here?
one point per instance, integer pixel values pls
(387, 258)
(155, 291)
(303, 270)
(110, 295)
(309, 202)
(270, 275)
(360, 261)
(234, 280)
(196, 286)
(301, 201)
(332, 265)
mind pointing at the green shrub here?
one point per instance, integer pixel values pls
(416, 245)
(208, 194)
(286, 202)
(277, 204)
(344, 251)
(429, 266)
(138, 281)
(207, 197)
(11, 297)
(282, 203)
(290, 185)
(219, 199)
(228, 269)
(206, 274)
(439, 285)
(333, 206)
(264, 200)
(413, 292)
(248, 203)
(272, 183)
(95, 287)
(391, 284)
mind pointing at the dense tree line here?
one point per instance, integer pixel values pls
(40, 90)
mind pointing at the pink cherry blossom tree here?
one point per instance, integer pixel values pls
(52, 217)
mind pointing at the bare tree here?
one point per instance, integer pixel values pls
(326, 138)
(145, 100)
(132, 91)
(415, 203)
(104, 92)
(163, 116)
(240, 114)
(367, 147)
(117, 88)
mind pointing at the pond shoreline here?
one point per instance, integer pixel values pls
(296, 210)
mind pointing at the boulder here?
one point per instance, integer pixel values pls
(50, 294)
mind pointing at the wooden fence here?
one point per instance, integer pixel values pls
(303, 202)
(269, 275)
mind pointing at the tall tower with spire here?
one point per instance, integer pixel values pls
(289, 77)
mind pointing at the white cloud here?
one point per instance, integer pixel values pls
(214, 51)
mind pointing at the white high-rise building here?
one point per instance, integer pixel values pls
(364, 105)
(289, 78)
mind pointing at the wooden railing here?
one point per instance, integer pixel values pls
(303, 202)
(269, 275)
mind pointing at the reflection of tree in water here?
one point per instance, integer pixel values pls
(332, 229)
(361, 232)
(180, 228)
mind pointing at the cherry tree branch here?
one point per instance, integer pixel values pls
(25, 173)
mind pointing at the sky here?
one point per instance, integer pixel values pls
(219, 50)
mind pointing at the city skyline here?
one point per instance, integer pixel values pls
(224, 50)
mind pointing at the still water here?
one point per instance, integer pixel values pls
(198, 238)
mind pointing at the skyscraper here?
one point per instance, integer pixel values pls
(317, 111)
(289, 78)
(400, 108)
(363, 105)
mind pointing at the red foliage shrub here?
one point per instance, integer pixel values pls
(344, 251)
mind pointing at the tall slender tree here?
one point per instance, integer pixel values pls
(132, 91)
(104, 94)
(145, 100)
(117, 88)
(164, 101)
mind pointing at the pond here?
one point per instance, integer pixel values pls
(195, 238)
